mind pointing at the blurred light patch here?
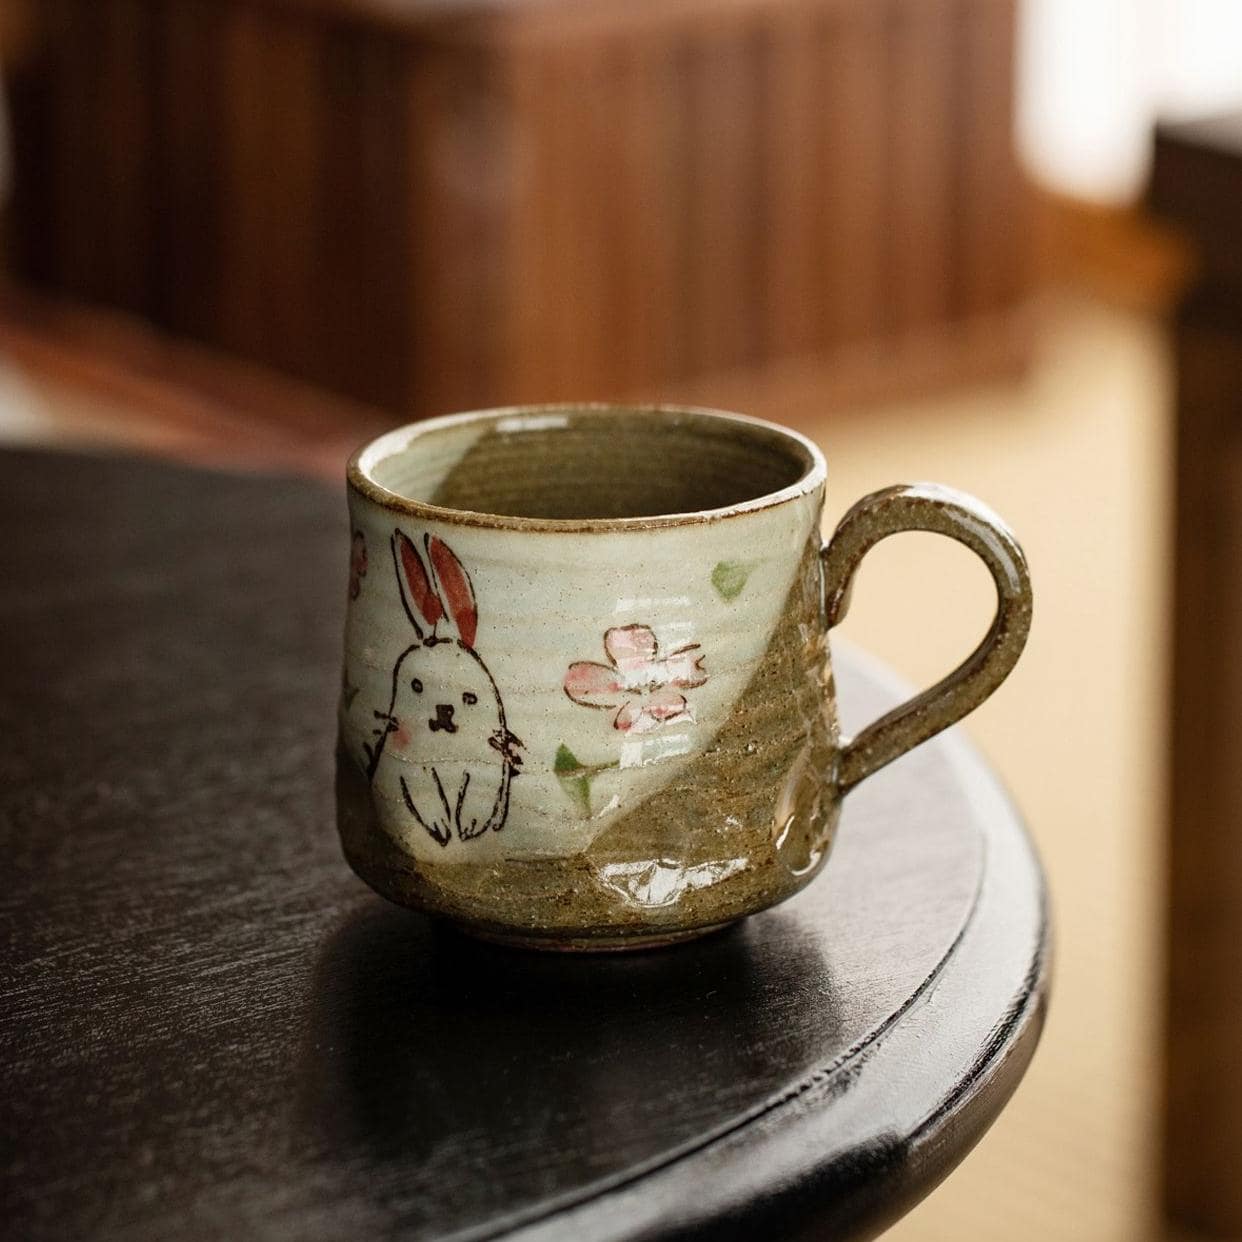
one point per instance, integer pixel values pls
(1093, 76)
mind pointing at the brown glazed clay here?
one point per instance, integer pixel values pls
(602, 716)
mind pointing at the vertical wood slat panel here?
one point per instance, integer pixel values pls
(795, 238)
(549, 238)
(856, 192)
(245, 142)
(364, 274)
(290, 191)
(991, 255)
(269, 160)
(599, 276)
(590, 193)
(75, 236)
(922, 67)
(187, 88)
(441, 346)
(606, 303)
(525, 208)
(122, 159)
(650, 241)
(101, 161)
(349, 135)
(459, 187)
(25, 225)
(558, 246)
(531, 225)
(723, 192)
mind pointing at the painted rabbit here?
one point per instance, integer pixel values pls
(443, 749)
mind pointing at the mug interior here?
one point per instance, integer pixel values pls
(581, 463)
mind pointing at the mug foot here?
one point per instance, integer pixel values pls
(591, 944)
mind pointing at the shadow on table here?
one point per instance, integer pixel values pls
(439, 1053)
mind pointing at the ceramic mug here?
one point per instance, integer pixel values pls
(587, 699)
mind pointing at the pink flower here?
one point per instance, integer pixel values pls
(357, 563)
(643, 686)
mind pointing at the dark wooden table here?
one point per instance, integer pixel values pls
(209, 1028)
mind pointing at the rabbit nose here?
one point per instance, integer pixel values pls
(443, 718)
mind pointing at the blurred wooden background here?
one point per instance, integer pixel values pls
(436, 206)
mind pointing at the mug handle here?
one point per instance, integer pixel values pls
(943, 511)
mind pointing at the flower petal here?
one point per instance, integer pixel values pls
(666, 705)
(642, 716)
(630, 647)
(592, 685)
(683, 667)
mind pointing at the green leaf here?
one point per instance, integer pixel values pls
(729, 577)
(578, 790)
(575, 777)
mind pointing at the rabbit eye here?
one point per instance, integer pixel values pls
(416, 686)
(470, 698)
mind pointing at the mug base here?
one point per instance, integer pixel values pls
(591, 944)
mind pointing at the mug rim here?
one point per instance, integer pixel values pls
(363, 461)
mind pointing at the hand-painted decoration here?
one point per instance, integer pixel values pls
(644, 687)
(576, 777)
(357, 563)
(443, 749)
(729, 578)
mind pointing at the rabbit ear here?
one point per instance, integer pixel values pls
(417, 593)
(456, 588)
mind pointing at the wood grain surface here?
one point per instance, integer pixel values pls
(435, 207)
(209, 1028)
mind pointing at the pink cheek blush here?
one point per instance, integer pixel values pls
(400, 737)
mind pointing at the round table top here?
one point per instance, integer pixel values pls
(211, 1028)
